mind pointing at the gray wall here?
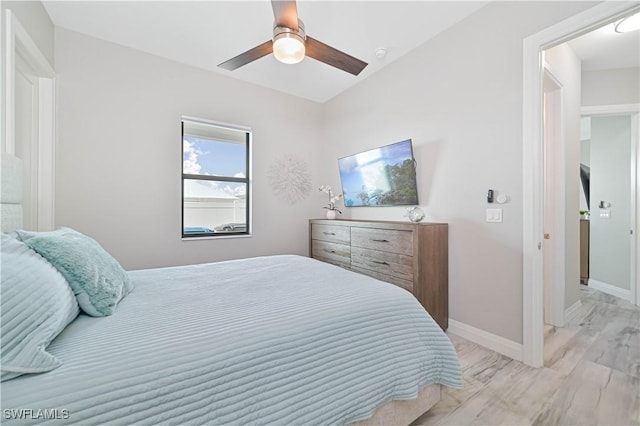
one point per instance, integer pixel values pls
(459, 97)
(611, 87)
(610, 171)
(118, 154)
(585, 157)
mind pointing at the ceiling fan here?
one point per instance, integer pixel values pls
(290, 44)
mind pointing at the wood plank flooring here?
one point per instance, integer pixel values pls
(591, 375)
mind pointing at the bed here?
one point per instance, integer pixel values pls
(279, 340)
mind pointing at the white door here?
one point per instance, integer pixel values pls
(612, 205)
(553, 252)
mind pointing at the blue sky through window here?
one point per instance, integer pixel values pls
(213, 158)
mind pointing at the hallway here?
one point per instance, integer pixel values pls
(591, 375)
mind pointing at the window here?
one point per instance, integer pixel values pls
(216, 160)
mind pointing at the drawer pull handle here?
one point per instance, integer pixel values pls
(379, 241)
(379, 262)
(329, 251)
(329, 233)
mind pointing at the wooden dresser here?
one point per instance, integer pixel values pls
(413, 256)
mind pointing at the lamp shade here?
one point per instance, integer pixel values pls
(288, 47)
(628, 24)
(288, 43)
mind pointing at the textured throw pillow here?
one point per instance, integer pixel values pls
(37, 304)
(97, 279)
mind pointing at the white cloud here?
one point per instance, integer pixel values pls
(190, 155)
(238, 191)
(239, 175)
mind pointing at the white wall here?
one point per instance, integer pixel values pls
(566, 66)
(611, 87)
(610, 171)
(118, 155)
(585, 158)
(459, 97)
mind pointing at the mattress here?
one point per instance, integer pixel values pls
(280, 340)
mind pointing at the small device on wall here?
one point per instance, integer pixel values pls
(494, 197)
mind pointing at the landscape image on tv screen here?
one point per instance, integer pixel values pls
(384, 176)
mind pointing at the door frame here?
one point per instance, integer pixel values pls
(635, 174)
(532, 163)
(635, 143)
(18, 42)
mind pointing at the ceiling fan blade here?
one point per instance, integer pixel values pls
(327, 54)
(249, 56)
(285, 13)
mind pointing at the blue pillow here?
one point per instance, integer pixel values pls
(97, 279)
(37, 304)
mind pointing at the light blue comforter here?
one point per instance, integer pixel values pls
(280, 340)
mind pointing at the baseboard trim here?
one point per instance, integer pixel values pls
(488, 340)
(610, 289)
(572, 311)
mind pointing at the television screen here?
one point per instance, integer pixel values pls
(384, 176)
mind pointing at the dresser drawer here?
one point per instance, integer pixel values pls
(389, 240)
(338, 254)
(406, 284)
(392, 264)
(331, 233)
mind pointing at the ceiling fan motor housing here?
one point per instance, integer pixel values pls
(289, 44)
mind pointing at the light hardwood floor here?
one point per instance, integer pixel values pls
(591, 375)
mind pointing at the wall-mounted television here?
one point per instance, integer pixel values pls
(384, 176)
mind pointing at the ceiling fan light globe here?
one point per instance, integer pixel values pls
(628, 24)
(288, 48)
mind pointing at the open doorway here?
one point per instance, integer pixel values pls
(534, 173)
(585, 243)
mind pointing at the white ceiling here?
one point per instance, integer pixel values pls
(206, 33)
(604, 49)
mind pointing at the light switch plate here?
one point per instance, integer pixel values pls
(494, 215)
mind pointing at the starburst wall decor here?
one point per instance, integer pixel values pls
(290, 178)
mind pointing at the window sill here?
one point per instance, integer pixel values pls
(219, 237)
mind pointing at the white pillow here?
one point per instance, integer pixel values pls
(36, 305)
